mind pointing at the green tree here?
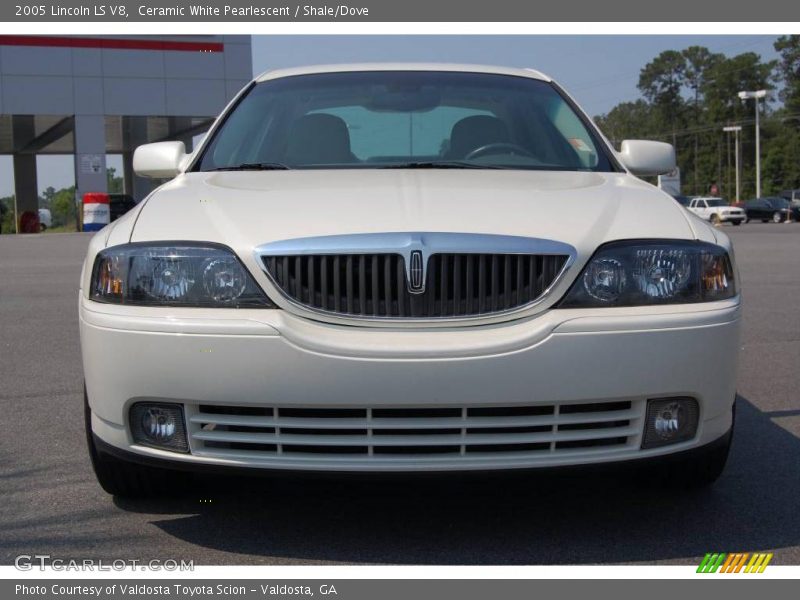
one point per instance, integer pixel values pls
(115, 184)
(7, 215)
(780, 167)
(46, 199)
(628, 120)
(661, 80)
(689, 95)
(63, 207)
(788, 46)
(730, 76)
(661, 83)
(699, 60)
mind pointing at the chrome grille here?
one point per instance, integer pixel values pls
(376, 285)
(386, 434)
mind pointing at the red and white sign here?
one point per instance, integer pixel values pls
(96, 211)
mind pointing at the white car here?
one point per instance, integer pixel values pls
(407, 268)
(716, 211)
(45, 219)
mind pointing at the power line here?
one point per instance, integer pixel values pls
(718, 125)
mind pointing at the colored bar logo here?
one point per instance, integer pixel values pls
(735, 562)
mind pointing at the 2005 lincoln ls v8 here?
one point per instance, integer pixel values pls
(395, 268)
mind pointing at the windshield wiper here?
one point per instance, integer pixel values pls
(441, 164)
(262, 166)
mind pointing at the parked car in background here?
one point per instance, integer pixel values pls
(716, 210)
(45, 219)
(119, 204)
(792, 196)
(773, 209)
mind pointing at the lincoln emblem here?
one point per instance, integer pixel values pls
(416, 284)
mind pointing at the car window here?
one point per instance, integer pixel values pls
(384, 119)
(379, 136)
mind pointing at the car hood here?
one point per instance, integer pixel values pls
(244, 209)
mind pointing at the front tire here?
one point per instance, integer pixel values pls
(126, 479)
(777, 217)
(702, 471)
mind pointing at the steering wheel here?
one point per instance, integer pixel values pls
(498, 148)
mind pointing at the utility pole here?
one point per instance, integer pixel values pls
(728, 166)
(736, 129)
(757, 95)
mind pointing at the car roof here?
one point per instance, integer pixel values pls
(442, 67)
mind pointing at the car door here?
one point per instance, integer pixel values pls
(755, 209)
(766, 209)
(703, 210)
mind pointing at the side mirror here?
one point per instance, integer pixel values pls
(644, 157)
(161, 160)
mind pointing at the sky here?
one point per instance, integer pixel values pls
(599, 71)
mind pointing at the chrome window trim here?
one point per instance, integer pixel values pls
(403, 244)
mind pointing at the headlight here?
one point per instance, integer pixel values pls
(646, 273)
(174, 275)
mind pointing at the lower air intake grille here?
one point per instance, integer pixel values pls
(386, 434)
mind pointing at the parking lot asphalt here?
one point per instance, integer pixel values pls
(51, 504)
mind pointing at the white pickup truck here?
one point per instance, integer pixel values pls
(716, 210)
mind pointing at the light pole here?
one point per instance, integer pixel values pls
(736, 129)
(756, 96)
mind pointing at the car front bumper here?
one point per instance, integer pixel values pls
(731, 218)
(564, 387)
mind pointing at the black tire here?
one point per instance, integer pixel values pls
(715, 220)
(127, 479)
(702, 471)
(42, 227)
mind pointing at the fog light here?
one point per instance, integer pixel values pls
(159, 426)
(669, 421)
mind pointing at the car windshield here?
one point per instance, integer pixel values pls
(404, 119)
(716, 202)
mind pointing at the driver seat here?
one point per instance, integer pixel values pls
(470, 133)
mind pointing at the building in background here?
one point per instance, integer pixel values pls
(92, 96)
